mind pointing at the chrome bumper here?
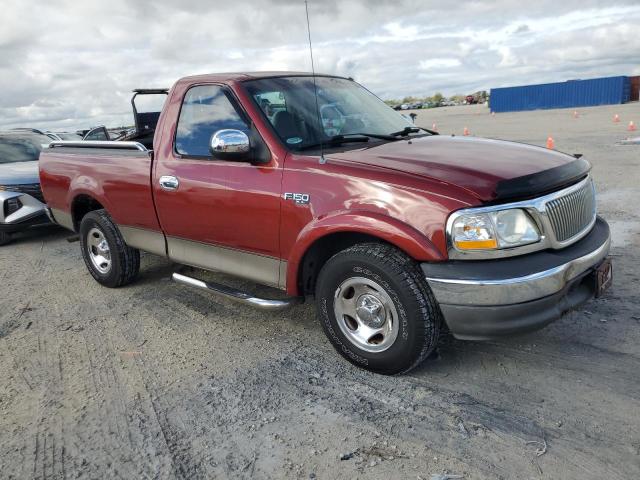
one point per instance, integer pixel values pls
(483, 299)
(517, 289)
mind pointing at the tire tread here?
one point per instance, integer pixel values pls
(397, 263)
(128, 257)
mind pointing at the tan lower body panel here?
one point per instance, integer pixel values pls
(62, 218)
(258, 268)
(283, 275)
(148, 240)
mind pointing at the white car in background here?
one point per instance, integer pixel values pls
(63, 136)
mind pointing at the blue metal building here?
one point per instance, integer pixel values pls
(569, 94)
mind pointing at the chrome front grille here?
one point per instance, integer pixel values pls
(571, 214)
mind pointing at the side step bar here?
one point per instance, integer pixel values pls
(237, 295)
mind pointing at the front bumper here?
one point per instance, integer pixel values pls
(31, 213)
(491, 298)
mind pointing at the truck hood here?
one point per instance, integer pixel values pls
(19, 173)
(479, 165)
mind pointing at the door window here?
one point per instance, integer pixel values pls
(205, 110)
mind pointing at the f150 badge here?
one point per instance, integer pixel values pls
(299, 198)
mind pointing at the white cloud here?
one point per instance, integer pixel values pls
(399, 32)
(69, 64)
(436, 63)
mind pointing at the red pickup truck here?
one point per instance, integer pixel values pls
(397, 232)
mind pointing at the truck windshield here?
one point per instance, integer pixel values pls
(345, 108)
(15, 149)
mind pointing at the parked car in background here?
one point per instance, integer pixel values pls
(69, 136)
(479, 97)
(118, 133)
(393, 229)
(415, 106)
(99, 133)
(22, 205)
(30, 130)
(52, 135)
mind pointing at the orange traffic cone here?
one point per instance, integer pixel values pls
(434, 127)
(616, 118)
(632, 126)
(575, 114)
(550, 143)
(465, 132)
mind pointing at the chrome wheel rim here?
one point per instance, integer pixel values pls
(98, 250)
(366, 314)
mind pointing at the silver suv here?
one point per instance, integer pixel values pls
(22, 205)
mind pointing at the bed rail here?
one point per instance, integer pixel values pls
(114, 145)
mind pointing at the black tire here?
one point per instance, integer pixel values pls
(4, 238)
(124, 260)
(418, 315)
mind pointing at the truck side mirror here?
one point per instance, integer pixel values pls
(229, 144)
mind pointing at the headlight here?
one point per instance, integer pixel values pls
(493, 230)
(474, 232)
(515, 227)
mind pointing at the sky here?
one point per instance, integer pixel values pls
(66, 64)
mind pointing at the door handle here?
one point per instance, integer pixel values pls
(169, 182)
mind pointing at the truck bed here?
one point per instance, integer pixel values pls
(117, 173)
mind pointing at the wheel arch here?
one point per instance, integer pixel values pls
(82, 204)
(324, 238)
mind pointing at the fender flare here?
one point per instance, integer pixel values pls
(86, 186)
(397, 233)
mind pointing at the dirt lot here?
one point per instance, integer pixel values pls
(158, 381)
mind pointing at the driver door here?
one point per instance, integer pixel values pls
(216, 214)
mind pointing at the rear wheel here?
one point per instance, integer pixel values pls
(377, 309)
(4, 238)
(107, 257)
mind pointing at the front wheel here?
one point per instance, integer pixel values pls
(377, 309)
(107, 257)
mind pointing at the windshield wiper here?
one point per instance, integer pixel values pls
(379, 136)
(405, 131)
(338, 140)
(356, 137)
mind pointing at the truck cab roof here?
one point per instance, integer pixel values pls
(246, 76)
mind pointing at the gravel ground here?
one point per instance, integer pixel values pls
(158, 381)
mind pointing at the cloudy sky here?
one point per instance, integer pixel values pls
(66, 64)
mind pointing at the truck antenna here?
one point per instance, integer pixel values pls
(315, 87)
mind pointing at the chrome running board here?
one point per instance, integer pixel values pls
(237, 295)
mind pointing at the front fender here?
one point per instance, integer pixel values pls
(406, 238)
